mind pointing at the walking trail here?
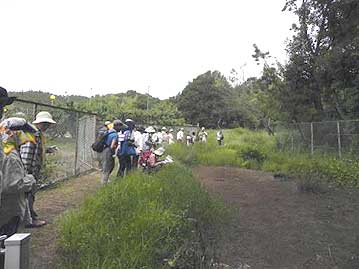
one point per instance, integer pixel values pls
(276, 227)
(279, 227)
(50, 204)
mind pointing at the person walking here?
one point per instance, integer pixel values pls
(108, 161)
(220, 137)
(180, 135)
(170, 136)
(33, 157)
(202, 135)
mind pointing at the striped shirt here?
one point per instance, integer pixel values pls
(32, 156)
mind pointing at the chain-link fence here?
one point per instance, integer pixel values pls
(68, 142)
(330, 137)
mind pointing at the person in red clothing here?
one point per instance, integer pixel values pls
(154, 159)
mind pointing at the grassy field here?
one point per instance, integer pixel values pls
(258, 150)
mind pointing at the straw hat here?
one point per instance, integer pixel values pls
(43, 116)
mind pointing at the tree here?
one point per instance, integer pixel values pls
(205, 100)
(322, 75)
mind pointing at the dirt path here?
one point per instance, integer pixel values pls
(50, 204)
(279, 227)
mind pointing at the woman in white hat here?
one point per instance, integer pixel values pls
(32, 155)
(153, 160)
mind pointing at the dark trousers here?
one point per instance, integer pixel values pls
(31, 199)
(135, 161)
(11, 227)
(125, 165)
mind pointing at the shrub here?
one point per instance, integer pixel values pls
(160, 220)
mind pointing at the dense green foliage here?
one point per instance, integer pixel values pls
(322, 75)
(258, 150)
(139, 107)
(162, 220)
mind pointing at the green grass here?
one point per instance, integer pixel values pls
(161, 220)
(258, 150)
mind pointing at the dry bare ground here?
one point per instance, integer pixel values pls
(279, 227)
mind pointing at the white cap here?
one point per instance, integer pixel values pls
(107, 122)
(43, 116)
(164, 128)
(202, 128)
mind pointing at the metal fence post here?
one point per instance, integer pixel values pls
(311, 139)
(77, 142)
(34, 111)
(339, 141)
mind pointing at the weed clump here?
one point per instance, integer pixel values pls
(162, 220)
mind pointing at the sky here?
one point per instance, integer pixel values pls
(89, 47)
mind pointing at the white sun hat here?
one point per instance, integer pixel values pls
(159, 151)
(43, 116)
(150, 129)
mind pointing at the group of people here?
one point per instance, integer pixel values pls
(133, 146)
(136, 146)
(21, 163)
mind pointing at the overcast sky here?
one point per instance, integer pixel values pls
(89, 47)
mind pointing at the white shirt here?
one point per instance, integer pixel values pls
(180, 135)
(138, 141)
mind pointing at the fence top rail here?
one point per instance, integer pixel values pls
(309, 122)
(56, 107)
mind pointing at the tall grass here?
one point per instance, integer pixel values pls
(164, 220)
(258, 150)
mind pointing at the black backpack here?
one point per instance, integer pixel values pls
(99, 145)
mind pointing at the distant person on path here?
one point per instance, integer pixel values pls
(16, 183)
(220, 137)
(108, 161)
(180, 135)
(202, 135)
(170, 137)
(33, 158)
(189, 139)
(164, 135)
